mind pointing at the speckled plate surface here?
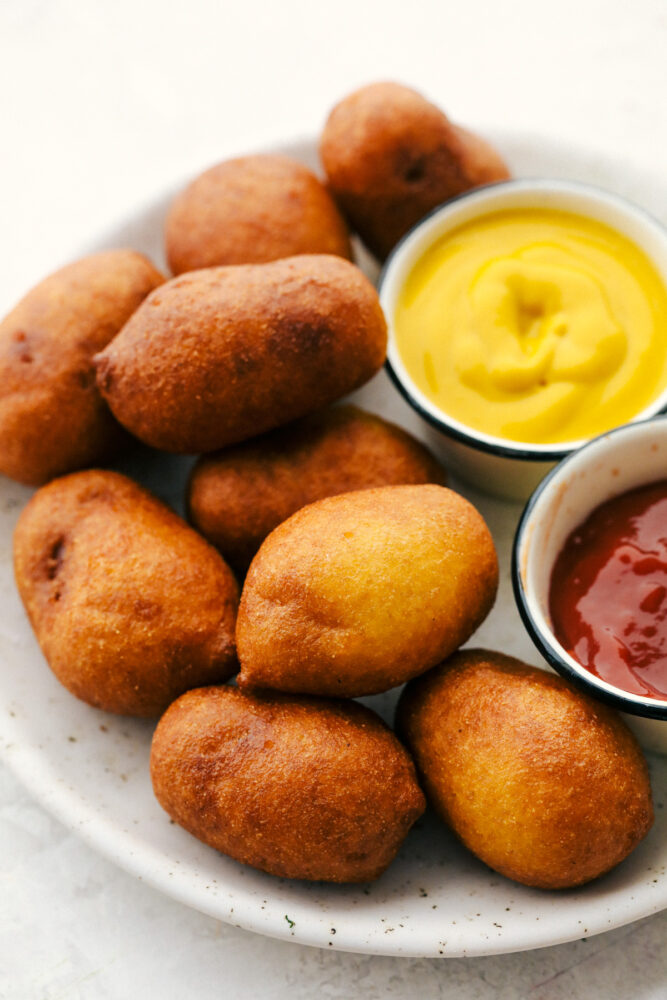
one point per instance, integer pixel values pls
(91, 769)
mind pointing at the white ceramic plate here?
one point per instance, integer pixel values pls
(91, 769)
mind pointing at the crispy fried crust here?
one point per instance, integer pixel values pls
(390, 157)
(251, 210)
(52, 418)
(221, 355)
(545, 785)
(236, 497)
(130, 606)
(296, 787)
(355, 594)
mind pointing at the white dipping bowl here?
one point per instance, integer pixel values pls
(498, 465)
(612, 464)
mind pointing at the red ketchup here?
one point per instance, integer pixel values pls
(608, 594)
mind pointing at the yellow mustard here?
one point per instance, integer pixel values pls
(535, 325)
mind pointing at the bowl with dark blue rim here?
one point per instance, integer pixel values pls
(498, 465)
(608, 466)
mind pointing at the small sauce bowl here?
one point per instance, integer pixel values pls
(498, 465)
(610, 465)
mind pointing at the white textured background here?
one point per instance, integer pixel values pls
(103, 105)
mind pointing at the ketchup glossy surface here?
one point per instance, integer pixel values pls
(608, 594)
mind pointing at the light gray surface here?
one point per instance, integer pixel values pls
(103, 105)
